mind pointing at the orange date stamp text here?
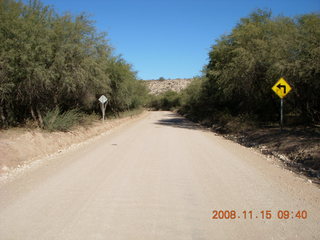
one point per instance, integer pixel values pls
(263, 214)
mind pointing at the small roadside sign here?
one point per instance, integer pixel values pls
(103, 99)
(281, 88)
(103, 105)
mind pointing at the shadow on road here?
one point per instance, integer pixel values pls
(175, 120)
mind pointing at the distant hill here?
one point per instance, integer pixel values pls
(157, 87)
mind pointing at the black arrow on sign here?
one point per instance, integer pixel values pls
(282, 86)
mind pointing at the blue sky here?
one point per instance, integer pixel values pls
(172, 38)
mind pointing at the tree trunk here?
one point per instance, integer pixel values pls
(55, 100)
(33, 114)
(3, 118)
(40, 118)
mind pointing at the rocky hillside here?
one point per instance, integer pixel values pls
(159, 86)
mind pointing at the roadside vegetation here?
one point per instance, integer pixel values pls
(54, 67)
(169, 100)
(234, 96)
(245, 64)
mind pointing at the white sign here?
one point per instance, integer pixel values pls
(103, 99)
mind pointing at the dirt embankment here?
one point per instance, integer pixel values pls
(298, 148)
(157, 87)
(295, 147)
(20, 146)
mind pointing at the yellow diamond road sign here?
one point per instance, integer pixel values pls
(281, 88)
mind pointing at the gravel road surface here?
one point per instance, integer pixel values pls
(159, 177)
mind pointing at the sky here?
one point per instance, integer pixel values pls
(172, 38)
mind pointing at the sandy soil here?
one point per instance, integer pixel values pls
(297, 148)
(158, 178)
(21, 146)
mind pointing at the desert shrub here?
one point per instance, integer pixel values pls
(56, 121)
(241, 123)
(166, 101)
(49, 59)
(245, 64)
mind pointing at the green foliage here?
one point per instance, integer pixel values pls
(166, 101)
(127, 93)
(191, 97)
(49, 60)
(130, 113)
(56, 121)
(244, 65)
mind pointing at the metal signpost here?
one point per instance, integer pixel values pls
(281, 88)
(103, 105)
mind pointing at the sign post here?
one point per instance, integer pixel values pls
(281, 88)
(281, 114)
(103, 105)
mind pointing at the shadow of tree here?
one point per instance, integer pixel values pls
(175, 120)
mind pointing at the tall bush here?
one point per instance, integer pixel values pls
(50, 60)
(245, 64)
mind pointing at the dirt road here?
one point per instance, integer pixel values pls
(158, 178)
